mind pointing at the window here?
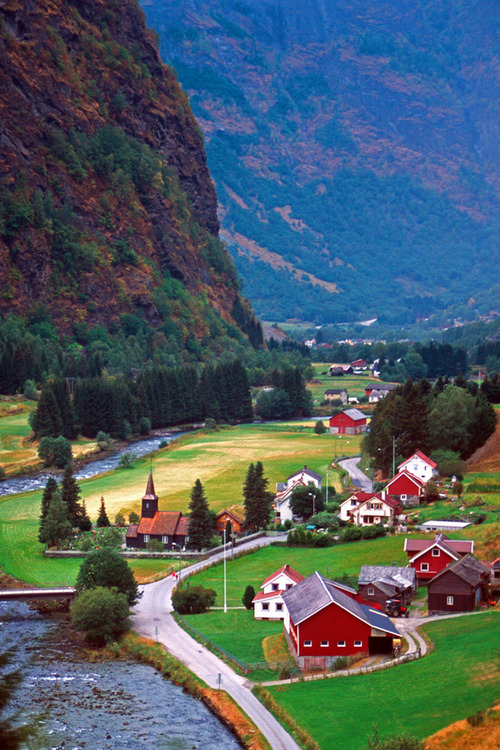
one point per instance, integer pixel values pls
(341, 644)
(358, 644)
(279, 607)
(265, 606)
(274, 586)
(164, 539)
(289, 586)
(371, 591)
(325, 644)
(449, 601)
(424, 566)
(147, 505)
(308, 643)
(436, 552)
(146, 537)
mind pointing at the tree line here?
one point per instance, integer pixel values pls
(453, 416)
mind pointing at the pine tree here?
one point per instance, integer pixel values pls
(56, 526)
(70, 493)
(102, 519)
(47, 420)
(258, 501)
(50, 488)
(84, 524)
(200, 519)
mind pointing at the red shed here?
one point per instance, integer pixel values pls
(430, 557)
(321, 622)
(348, 422)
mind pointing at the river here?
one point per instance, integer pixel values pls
(91, 469)
(114, 705)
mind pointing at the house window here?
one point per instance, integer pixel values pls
(325, 644)
(146, 537)
(289, 586)
(424, 567)
(436, 552)
(404, 497)
(164, 539)
(358, 644)
(340, 644)
(274, 586)
(449, 601)
(279, 607)
(308, 643)
(371, 592)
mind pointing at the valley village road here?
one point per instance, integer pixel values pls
(358, 477)
(153, 619)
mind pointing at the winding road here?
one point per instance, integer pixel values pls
(153, 619)
(358, 477)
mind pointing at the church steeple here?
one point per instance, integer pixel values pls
(150, 499)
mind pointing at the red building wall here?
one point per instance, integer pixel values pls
(343, 421)
(436, 564)
(332, 624)
(402, 485)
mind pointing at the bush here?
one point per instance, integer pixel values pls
(126, 460)
(3, 473)
(248, 596)
(112, 537)
(476, 719)
(133, 518)
(394, 742)
(193, 601)
(30, 390)
(55, 451)
(319, 427)
(105, 567)
(120, 520)
(154, 545)
(210, 424)
(144, 426)
(101, 614)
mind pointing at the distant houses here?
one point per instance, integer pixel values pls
(429, 558)
(334, 395)
(303, 477)
(378, 583)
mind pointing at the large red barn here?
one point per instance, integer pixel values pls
(321, 623)
(348, 422)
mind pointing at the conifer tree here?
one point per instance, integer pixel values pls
(70, 493)
(102, 519)
(49, 489)
(258, 501)
(200, 519)
(84, 523)
(47, 418)
(56, 526)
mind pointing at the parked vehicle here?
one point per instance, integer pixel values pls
(394, 608)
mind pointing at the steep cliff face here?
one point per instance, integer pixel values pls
(354, 144)
(105, 191)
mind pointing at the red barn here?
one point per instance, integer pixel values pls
(430, 557)
(406, 487)
(348, 422)
(321, 623)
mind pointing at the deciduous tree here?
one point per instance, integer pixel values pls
(106, 567)
(102, 614)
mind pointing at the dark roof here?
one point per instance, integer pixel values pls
(131, 532)
(315, 593)
(381, 387)
(335, 391)
(468, 569)
(231, 513)
(307, 471)
(150, 489)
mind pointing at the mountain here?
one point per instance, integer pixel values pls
(108, 213)
(354, 146)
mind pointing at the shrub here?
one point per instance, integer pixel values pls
(2, 473)
(133, 518)
(126, 460)
(248, 596)
(30, 390)
(144, 426)
(112, 537)
(55, 451)
(119, 520)
(476, 719)
(105, 567)
(193, 601)
(154, 545)
(319, 428)
(101, 614)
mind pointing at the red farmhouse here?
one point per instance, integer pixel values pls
(430, 557)
(321, 622)
(348, 422)
(406, 487)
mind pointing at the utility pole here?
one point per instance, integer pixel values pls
(225, 588)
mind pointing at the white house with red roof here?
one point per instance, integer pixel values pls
(268, 603)
(420, 466)
(430, 557)
(284, 490)
(367, 508)
(322, 622)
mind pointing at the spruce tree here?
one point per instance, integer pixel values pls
(200, 519)
(102, 519)
(56, 526)
(70, 493)
(84, 523)
(50, 488)
(47, 418)
(257, 500)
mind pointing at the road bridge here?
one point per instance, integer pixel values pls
(22, 595)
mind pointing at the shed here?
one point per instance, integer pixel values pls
(460, 587)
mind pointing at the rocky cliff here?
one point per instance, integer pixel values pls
(105, 195)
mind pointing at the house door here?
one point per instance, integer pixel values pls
(378, 645)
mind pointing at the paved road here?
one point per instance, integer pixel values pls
(358, 477)
(153, 619)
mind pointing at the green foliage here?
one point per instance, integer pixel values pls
(55, 451)
(306, 501)
(154, 545)
(126, 460)
(120, 520)
(319, 427)
(257, 500)
(105, 567)
(70, 493)
(102, 614)
(449, 463)
(394, 742)
(144, 426)
(56, 526)
(193, 601)
(102, 518)
(112, 537)
(133, 518)
(248, 597)
(200, 519)
(29, 390)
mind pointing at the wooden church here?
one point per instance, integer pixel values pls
(167, 526)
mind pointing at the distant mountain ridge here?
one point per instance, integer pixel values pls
(355, 148)
(107, 207)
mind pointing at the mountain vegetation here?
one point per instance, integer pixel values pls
(109, 237)
(354, 146)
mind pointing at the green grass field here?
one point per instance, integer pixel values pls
(460, 677)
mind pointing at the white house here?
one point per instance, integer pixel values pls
(284, 490)
(420, 465)
(367, 508)
(268, 603)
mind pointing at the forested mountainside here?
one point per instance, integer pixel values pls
(108, 214)
(355, 149)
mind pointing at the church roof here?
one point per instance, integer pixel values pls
(150, 489)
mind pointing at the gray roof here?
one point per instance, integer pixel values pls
(316, 592)
(305, 470)
(387, 574)
(468, 569)
(355, 414)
